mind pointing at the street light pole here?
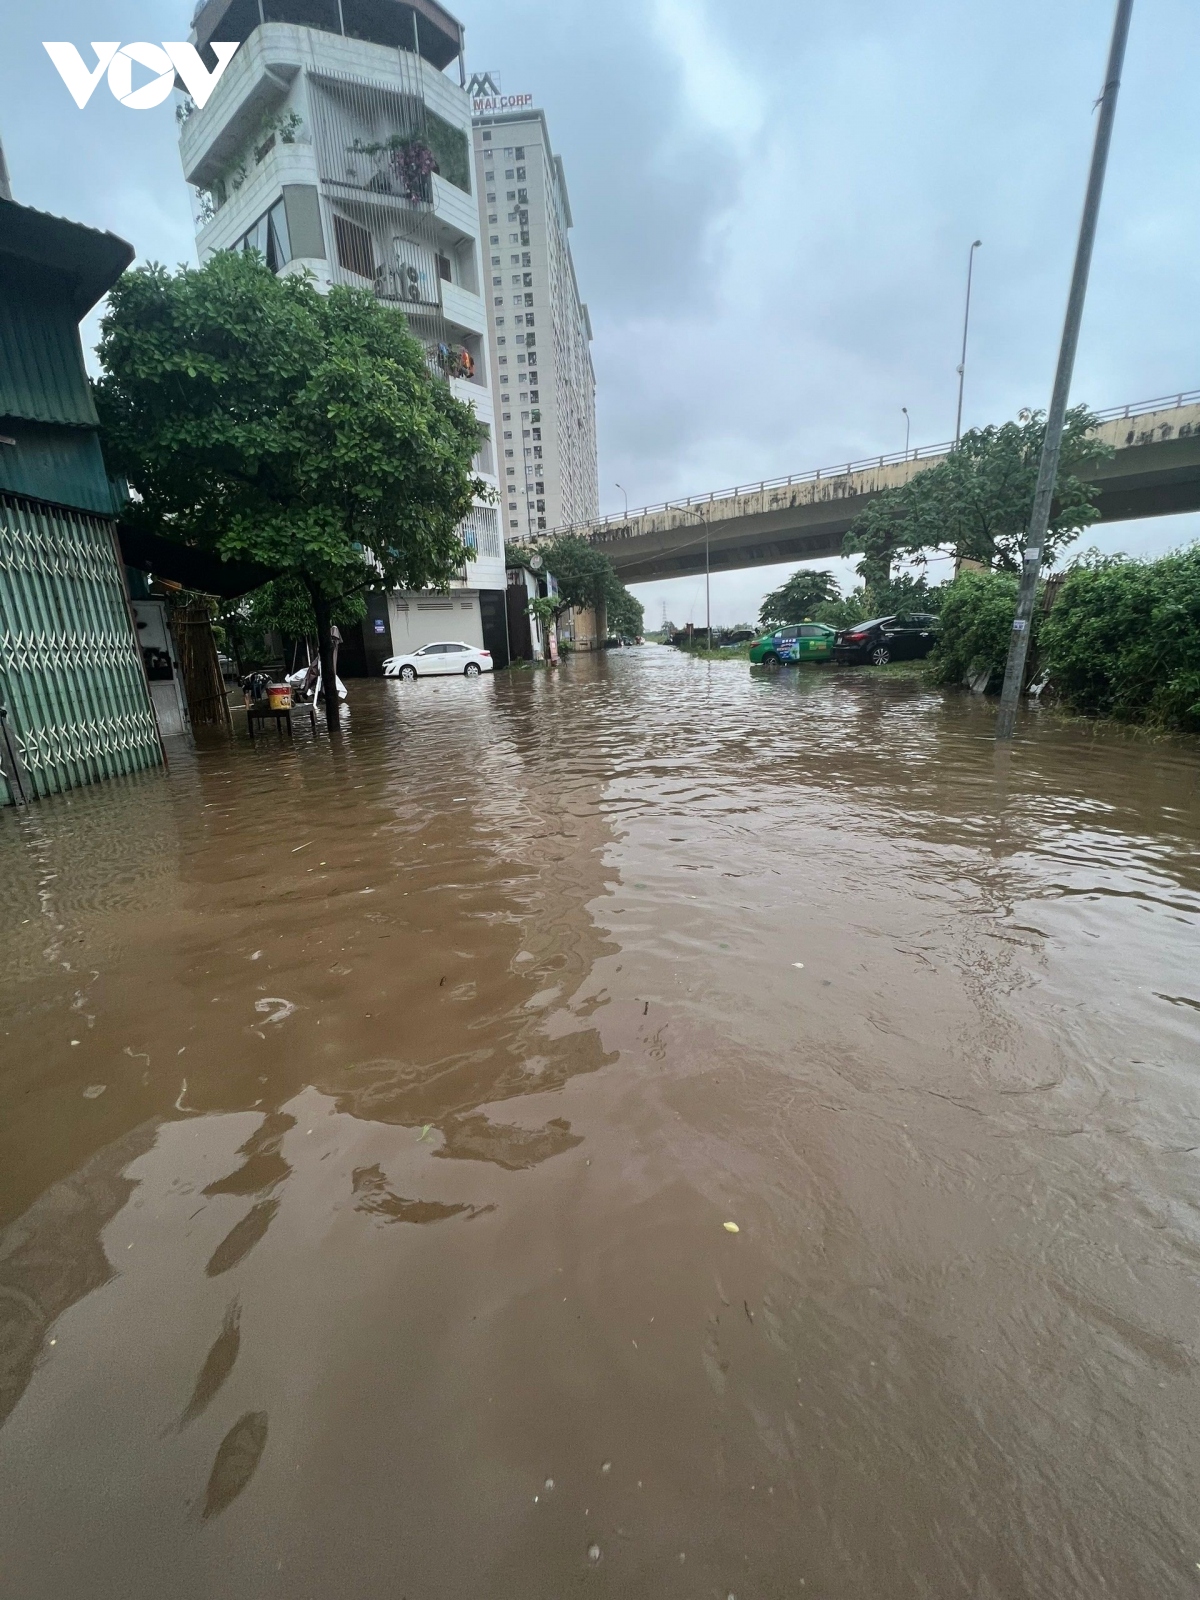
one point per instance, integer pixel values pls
(906, 420)
(626, 502)
(962, 365)
(1031, 565)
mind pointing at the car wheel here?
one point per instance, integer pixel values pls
(471, 670)
(880, 656)
(408, 673)
(770, 659)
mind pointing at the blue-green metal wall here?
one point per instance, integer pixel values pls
(70, 671)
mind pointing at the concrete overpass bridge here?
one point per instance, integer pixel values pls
(1154, 471)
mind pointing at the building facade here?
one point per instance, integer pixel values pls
(337, 142)
(542, 378)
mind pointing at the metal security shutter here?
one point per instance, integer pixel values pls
(70, 674)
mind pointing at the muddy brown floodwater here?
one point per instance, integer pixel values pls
(372, 1115)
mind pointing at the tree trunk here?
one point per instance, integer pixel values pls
(328, 658)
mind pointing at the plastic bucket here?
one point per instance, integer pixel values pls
(279, 696)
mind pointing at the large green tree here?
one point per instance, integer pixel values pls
(976, 502)
(797, 599)
(586, 578)
(261, 419)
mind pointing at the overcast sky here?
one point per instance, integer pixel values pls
(773, 205)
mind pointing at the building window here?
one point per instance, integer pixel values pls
(503, 361)
(508, 172)
(444, 269)
(514, 261)
(354, 249)
(527, 278)
(499, 300)
(519, 152)
(500, 339)
(517, 300)
(269, 236)
(487, 138)
(520, 173)
(510, 194)
(528, 299)
(490, 177)
(525, 260)
(508, 435)
(498, 283)
(541, 522)
(491, 199)
(508, 153)
(514, 522)
(495, 261)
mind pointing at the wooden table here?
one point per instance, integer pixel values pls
(281, 719)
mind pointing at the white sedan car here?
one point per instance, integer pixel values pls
(451, 657)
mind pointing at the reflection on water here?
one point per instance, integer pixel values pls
(579, 967)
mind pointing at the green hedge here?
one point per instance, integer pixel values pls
(1123, 639)
(450, 149)
(977, 617)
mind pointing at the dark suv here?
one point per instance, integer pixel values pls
(884, 639)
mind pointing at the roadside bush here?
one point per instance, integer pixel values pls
(1123, 639)
(977, 617)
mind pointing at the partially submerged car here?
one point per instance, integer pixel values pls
(450, 657)
(882, 639)
(803, 641)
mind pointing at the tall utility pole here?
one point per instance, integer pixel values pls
(688, 512)
(962, 365)
(1018, 645)
(906, 423)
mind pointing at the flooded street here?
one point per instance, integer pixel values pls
(372, 1114)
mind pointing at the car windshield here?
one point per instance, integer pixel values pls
(861, 627)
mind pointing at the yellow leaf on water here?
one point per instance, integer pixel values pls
(731, 1227)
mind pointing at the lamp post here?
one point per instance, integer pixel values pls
(905, 411)
(619, 486)
(962, 365)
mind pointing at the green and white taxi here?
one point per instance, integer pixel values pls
(803, 641)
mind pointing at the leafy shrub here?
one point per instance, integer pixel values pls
(1123, 639)
(977, 617)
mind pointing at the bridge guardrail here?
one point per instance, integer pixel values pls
(618, 519)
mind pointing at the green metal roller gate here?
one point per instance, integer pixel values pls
(71, 676)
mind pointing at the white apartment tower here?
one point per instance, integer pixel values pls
(542, 374)
(336, 142)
